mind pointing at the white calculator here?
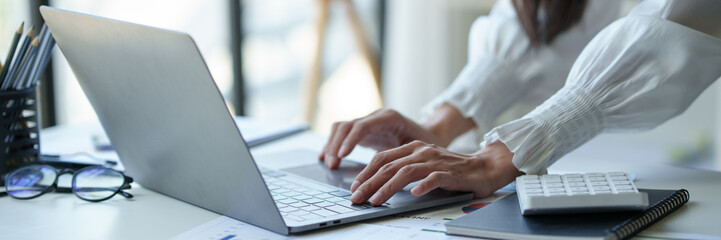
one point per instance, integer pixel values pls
(579, 193)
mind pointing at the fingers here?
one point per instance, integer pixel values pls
(357, 132)
(325, 148)
(344, 137)
(340, 130)
(383, 185)
(389, 124)
(406, 175)
(435, 180)
(382, 159)
(380, 174)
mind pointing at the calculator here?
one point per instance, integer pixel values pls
(578, 193)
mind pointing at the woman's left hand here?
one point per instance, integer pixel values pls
(482, 172)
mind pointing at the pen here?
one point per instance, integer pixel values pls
(11, 52)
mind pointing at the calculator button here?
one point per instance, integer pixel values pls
(594, 174)
(577, 184)
(596, 179)
(575, 179)
(599, 184)
(601, 188)
(617, 174)
(534, 190)
(533, 185)
(556, 190)
(619, 178)
(553, 179)
(623, 187)
(579, 189)
(531, 181)
(553, 185)
(621, 182)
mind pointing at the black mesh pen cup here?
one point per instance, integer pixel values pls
(19, 129)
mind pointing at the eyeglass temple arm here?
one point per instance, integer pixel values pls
(126, 185)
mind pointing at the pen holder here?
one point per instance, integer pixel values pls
(19, 129)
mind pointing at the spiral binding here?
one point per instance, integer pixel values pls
(633, 226)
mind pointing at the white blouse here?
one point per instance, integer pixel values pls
(634, 74)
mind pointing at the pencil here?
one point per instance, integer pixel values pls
(47, 52)
(37, 59)
(25, 66)
(11, 51)
(18, 59)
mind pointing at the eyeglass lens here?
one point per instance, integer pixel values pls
(93, 183)
(97, 183)
(30, 181)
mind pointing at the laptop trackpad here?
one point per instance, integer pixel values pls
(342, 177)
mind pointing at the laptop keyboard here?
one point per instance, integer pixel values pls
(308, 201)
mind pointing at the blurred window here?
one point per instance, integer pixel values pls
(206, 21)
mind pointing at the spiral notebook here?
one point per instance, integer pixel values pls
(503, 220)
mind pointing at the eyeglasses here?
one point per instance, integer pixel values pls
(92, 183)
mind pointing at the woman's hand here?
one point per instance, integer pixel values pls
(385, 129)
(381, 130)
(482, 173)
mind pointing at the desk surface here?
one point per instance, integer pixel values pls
(154, 216)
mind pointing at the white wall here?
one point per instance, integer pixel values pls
(426, 42)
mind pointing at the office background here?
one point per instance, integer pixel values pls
(260, 51)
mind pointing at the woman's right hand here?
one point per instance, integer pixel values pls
(381, 130)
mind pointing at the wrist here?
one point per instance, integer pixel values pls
(446, 124)
(437, 133)
(499, 160)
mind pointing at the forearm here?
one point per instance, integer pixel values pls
(446, 123)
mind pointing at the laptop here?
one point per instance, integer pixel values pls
(168, 122)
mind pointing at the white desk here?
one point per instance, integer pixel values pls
(153, 216)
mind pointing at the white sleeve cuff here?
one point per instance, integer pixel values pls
(564, 122)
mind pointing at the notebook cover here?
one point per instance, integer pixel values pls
(503, 219)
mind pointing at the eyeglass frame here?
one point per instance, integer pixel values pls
(59, 172)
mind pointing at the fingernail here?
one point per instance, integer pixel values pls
(332, 162)
(328, 160)
(415, 190)
(375, 200)
(354, 185)
(355, 197)
(342, 151)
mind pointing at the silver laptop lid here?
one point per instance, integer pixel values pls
(164, 114)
